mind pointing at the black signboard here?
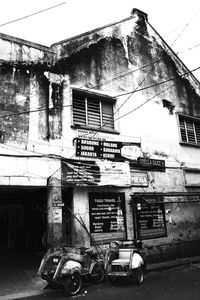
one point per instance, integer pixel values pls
(101, 149)
(150, 217)
(151, 163)
(107, 216)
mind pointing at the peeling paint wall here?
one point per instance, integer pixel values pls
(130, 61)
(24, 97)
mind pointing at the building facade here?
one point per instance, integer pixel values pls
(109, 124)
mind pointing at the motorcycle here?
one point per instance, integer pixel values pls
(124, 259)
(68, 267)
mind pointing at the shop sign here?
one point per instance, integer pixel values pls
(151, 163)
(139, 178)
(150, 217)
(107, 216)
(101, 149)
(99, 173)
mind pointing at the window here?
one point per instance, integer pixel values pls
(189, 130)
(93, 110)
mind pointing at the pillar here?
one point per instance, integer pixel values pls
(54, 226)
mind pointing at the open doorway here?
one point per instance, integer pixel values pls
(22, 219)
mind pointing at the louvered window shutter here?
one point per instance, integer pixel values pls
(197, 129)
(183, 130)
(93, 109)
(79, 110)
(107, 115)
(190, 130)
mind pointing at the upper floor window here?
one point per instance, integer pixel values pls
(92, 110)
(189, 130)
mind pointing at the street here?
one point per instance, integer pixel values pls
(182, 282)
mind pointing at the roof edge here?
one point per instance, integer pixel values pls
(25, 42)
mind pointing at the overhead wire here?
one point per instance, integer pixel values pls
(33, 14)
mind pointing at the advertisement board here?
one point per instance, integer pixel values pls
(107, 216)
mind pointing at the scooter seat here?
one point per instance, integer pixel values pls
(120, 262)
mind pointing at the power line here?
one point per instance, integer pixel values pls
(159, 83)
(187, 24)
(33, 14)
(144, 103)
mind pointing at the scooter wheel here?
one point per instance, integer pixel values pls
(73, 284)
(139, 275)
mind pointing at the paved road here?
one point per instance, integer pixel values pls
(178, 283)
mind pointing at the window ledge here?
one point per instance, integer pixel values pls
(189, 145)
(95, 129)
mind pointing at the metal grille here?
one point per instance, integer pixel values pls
(120, 268)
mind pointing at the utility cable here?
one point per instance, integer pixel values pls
(33, 14)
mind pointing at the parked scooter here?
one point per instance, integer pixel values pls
(124, 259)
(67, 267)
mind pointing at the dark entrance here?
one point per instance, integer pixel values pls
(23, 219)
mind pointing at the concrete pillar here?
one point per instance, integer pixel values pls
(54, 228)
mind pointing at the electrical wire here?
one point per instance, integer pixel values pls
(33, 14)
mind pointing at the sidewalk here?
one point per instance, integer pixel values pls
(28, 283)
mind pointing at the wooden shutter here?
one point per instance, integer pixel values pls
(197, 130)
(79, 110)
(107, 115)
(93, 109)
(190, 132)
(183, 130)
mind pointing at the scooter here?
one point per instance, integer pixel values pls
(67, 267)
(124, 259)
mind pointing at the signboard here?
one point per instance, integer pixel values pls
(107, 216)
(99, 173)
(150, 218)
(139, 178)
(151, 163)
(101, 149)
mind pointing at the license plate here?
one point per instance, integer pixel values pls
(55, 260)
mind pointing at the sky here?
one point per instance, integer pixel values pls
(177, 21)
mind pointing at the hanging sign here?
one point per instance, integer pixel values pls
(151, 163)
(102, 149)
(99, 173)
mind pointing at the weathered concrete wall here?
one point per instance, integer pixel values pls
(14, 100)
(16, 50)
(130, 57)
(130, 61)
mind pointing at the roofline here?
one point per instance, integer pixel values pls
(92, 31)
(25, 42)
(174, 53)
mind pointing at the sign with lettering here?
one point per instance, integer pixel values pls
(101, 149)
(139, 178)
(95, 173)
(150, 217)
(151, 163)
(107, 216)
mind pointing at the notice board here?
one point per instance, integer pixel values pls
(107, 216)
(150, 218)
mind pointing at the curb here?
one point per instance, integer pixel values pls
(26, 294)
(172, 263)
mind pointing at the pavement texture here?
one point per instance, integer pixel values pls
(19, 279)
